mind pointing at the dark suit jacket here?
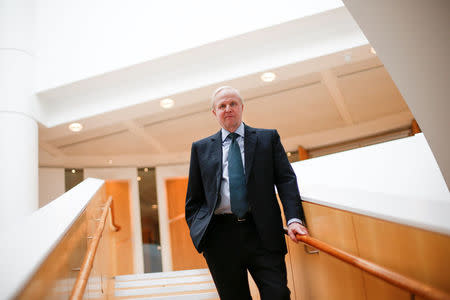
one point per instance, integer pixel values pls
(266, 165)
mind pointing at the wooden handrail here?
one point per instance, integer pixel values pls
(111, 223)
(86, 267)
(413, 286)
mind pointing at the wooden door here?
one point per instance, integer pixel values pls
(123, 246)
(184, 254)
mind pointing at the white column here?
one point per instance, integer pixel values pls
(18, 128)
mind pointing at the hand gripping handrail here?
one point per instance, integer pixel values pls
(86, 267)
(413, 286)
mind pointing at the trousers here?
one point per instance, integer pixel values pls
(232, 248)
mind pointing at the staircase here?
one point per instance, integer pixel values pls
(183, 285)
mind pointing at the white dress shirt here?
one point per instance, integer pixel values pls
(224, 206)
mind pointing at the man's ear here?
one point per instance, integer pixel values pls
(214, 112)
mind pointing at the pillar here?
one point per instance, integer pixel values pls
(18, 127)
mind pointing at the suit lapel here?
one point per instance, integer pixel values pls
(250, 140)
(216, 157)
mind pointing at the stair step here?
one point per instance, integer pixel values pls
(162, 275)
(162, 281)
(164, 291)
(198, 296)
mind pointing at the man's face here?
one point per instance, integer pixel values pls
(228, 109)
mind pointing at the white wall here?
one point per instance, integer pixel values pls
(80, 39)
(163, 173)
(404, 167)
(398, 181)
(129, 174)
(51, 184)
(411, 38)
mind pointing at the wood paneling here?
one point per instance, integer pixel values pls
(290, 274)
(302, 153)
(415, 129)
(320, 276)
(419, 254)
(416, 253)
(123, 247)
(289, 269)
(50, 281)
(253, 288)
(184, 254)
(55, 277)
(176, 195)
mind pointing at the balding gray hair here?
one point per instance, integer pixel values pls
(225, 87)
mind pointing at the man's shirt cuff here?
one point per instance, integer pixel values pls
(294, 220)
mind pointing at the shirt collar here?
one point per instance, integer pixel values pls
(240, 130)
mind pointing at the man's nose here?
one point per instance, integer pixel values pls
(228, 107)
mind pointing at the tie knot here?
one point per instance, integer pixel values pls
(233, 136)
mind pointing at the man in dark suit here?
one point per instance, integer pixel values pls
(231, 206)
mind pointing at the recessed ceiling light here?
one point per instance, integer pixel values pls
(289, 154)
(372, 50)
(166, 103)
(268, 77)
(145, 169)
(73, 171)
(75, 127)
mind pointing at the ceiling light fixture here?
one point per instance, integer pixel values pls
(166, 103)
(73, 171)
(139, 178)
(145, 169)
(268, 77)
(75, 127)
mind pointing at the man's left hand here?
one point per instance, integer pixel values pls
(296, 228)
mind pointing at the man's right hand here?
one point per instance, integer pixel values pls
(296, 228)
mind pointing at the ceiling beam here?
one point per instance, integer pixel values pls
(330, 81)
(338, 135)
(52, 150)
(129, 160)
(138, 131)
(313, 140)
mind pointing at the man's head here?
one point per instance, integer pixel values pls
(227, 107)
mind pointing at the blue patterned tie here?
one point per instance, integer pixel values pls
(238, 189)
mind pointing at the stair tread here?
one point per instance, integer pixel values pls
(161, 275)
(165, 289)
(197, 296)
(163, 281)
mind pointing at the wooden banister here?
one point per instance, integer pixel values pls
(413, 286)
(86, 267)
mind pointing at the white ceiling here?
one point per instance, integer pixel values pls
(336, 101)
